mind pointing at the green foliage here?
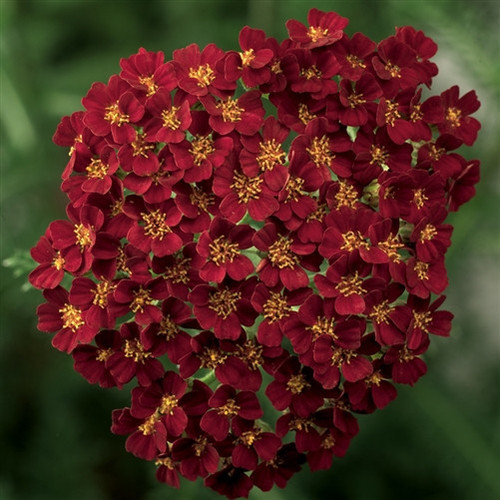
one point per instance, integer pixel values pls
(434, 442)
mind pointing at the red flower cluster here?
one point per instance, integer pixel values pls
(216, 254)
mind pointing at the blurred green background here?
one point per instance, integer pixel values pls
(439, 440)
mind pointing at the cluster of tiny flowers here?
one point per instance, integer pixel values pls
(255, 243)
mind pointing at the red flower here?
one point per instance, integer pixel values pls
(280, 469)
(252, 443)
(95, 300)
(316, 318)
(456, 120)
(204, 152)
(344, 280)
(228, 404)
(252, 64)
(276, 308)
(69, 133)
(320, 149)
(386, 318)
(294, 388)
(147, 72)
(162, 401)
(139, 156)
(112, 109)
(168, 470)
(424, 318)
(264, 154)
(296, 111)
(197, 203)
(462, 187)
(221, 246)
(347, 233)
(136, 358)
(231, 482)
(245, 114)
(282, 264)
(59, 315)
(325, 28)
(76, 239)
(197, 72)
(153, 231)
(393, 64)
(406, 365)
(423, 278)
(353, 55)
(140, 298)
(431, 236)
(288, 249)
(372, 392)
(169, 120)
(311, 72)
(90, 361)
(197, 456)
(356, 101)
(147, 437)
(424, 47)
(50, 271)
(174, 341)
(241, 194)
(224, 308)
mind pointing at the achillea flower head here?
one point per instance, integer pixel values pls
(305, 248)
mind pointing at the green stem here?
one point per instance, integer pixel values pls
(208, 378)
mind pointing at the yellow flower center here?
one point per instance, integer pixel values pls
(231, 112)
(316, 33)
(154, 224)
(355, 61)
(297, 383)
(224, 302)
(323, 326)
(380, 312)
(453, 117)
(71, 317)
(276, 307)
(427, 233)
(201, 148)
(115, 116)
(230, 409)
(280, 255)
(392, 113)
(247, 57)
(134, 349)
(141, 147)
(204, 74)
(83, 236)
(393, 69)
(101, 292)
(353, 241)
(96, 169)
(170, 118)
(271, 154)
(247, 188)
(422, 269)
(168, 328)
(167, 405)
(350, 285)
(311, 72)
(149, 83)
(320, 151)
(305, 116)
(141, 299)
(222, 251)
